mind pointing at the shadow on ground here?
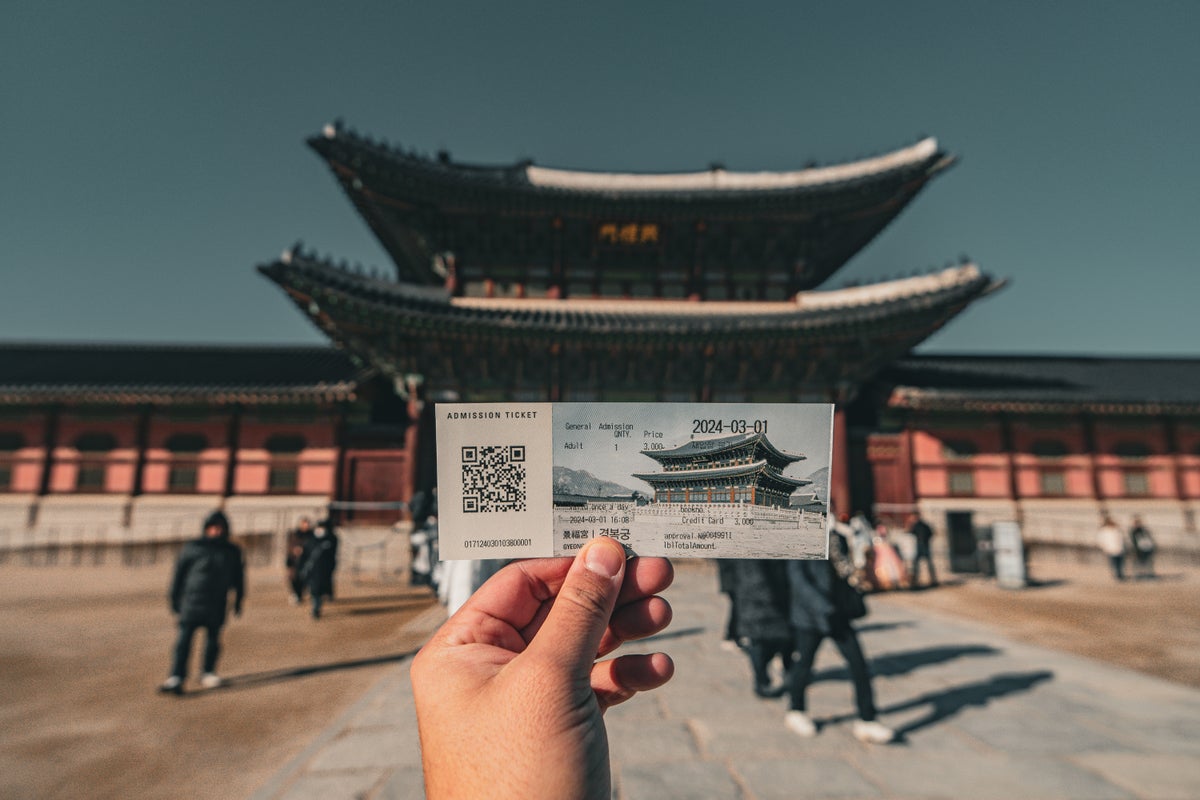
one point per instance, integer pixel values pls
(255, 679)
(893, 664)
(946, 704)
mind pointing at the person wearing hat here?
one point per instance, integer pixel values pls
(208, 569)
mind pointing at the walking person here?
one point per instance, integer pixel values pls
(208, 569)
(823, 605)
(1143, 549)
(725, 583)
(1112, 544)
(318, 563)
(761, 617)
(922, 533)
(296, 539)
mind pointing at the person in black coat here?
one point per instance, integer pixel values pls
(922, 533)
(823, 603)
(208, 569)
(295, 549)
(317, 564)
(759, 616)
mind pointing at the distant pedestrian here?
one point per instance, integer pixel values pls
(1112, 544)
(317, 565)
(208, 569)
(423, 540)
(922, 534)
(1143, 549)
(296, 539)
(823, 605)
(862, 534)
(761, 618)
(461, 578)
(887, 569)
(725, 582)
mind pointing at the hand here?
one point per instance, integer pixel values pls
(509, 694)
(237, 611)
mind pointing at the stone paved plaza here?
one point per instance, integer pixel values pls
(980, 716)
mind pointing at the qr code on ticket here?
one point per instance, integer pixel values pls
(493, 478)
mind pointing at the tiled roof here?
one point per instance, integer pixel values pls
(697, 447)
(1044, 383)
(313, 283)
(139, 373)
(738, 471)
(924, 156)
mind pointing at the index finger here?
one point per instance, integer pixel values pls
(512, 598)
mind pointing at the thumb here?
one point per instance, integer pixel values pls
(571, 634)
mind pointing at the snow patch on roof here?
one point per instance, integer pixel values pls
(723, 180)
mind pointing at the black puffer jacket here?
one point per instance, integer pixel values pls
(319, 561)
(208, 569)
(821, 598)
(760, 592)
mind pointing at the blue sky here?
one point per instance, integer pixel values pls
(152, 154)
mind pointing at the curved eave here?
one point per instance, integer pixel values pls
(721, 473)
(918, 400)
(940, 296)
(689, 449)
(740, 471)
(133, 395)
(347, 151)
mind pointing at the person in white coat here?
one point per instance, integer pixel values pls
(1112, 543)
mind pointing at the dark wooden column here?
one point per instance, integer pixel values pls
(1007, 443)
(1089, 444)
(339, 442)
(1171, 439)
(910, 462)
(558, 277)
(142, 443)
(697, 289)
(231, 438)
(49, 445)
(839, 479)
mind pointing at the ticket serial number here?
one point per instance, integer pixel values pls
(497, 542)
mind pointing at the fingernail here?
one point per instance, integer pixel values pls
(604, 559)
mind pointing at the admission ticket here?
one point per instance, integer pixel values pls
(705, 480)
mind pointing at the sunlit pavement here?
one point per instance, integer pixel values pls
(979, 716)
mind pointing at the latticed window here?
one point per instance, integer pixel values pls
(1133, 471)
(1051, 476)
(1137, 483)
(282, 477)
(185, 449)
(961, 482)
(93, 460)
(10, 443)
(1053, 482)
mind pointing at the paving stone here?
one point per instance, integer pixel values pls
(652, 742)
(675, 782)
(753, 738)
(369, 747)
(405, 783)
(1033, 732)
(324, 785)
(1158, 776)
(810, 778)
(387, 712)
(995, 776)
